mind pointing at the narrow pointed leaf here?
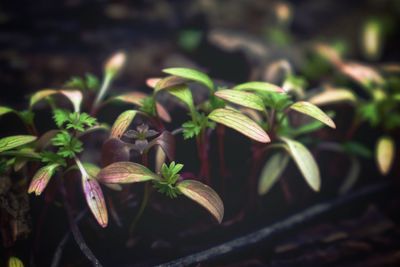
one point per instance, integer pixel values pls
(352, 175)
(122, 123)
(313, 111)
(42, 178)
(125, 172)
(261, 87)
(239, 122)
(385, 153)
(5, 110)
(305, 162)
(95, 200)
(244, 99)
(332, 97)
(193, 75)
(75, 96)
(170, 81)
(271, 172)
(183, 93)
(203, 195)
(14, 141)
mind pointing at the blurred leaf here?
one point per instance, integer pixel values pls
(259, 87)
(385, 153)
(5, 110)
(203, 195)
(244, 99)
(333, 96)
(168, 82)
(240, 123)
(122, 123)
(352, 175)
(357, 149)
(193, 75)
(126, 172)
(14, 141)
(42, 178)
(74, 96)
(307, 128)
(271, 172)
(305, 162)
(313, 111)
(190, 39)
(15, 262)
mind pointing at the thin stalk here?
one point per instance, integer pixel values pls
(202, 148)
(145, 200)
(104, 87)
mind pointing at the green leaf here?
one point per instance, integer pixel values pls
(203, 195)
(168, 82)
(385, 154)
(5, 110)
(60, 117)
(313, 111)
(42, 178)
(14, 141)
(239, 122)
(305, 162)
(358, 149)
(184, 94)
(307, 128)
(271, 172)
(125, 172)
(261, 87)
(75, 96)
(68, 146)
(122, 123)
(333, 96)
(244, 99)
(193, 75)
(15, 262)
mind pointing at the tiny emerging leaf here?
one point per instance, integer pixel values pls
(244, 99)
(240, 123)
(305, 162)
(203, 195)
(125, 172)
(385, 153)
(313, 111)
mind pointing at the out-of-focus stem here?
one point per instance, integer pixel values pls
(104, 87)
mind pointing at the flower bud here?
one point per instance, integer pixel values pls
(115, 63)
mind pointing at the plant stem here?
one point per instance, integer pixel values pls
(75, 229)
(104, 87)
(145, 200)
(202, 148)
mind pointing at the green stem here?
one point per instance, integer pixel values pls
(145, 200)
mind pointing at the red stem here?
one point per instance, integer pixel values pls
(202, 149)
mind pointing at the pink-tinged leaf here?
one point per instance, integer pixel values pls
(136, 99)
(305, 162)
(166, 141)
(313, 111)
(244, 99)
(125, 172)
(259, 87)
(152, 82)
(95, 200)
(14, 141)
(122, 123)
(203, 195)
(193, 75)
(115, 63)
(75, 96)
(15, 262)
(328, 53)
(168, 82)
(333, 96)
(42, 178)
(385, 153)
(94, 170)
(362, 74)
(239, 122)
